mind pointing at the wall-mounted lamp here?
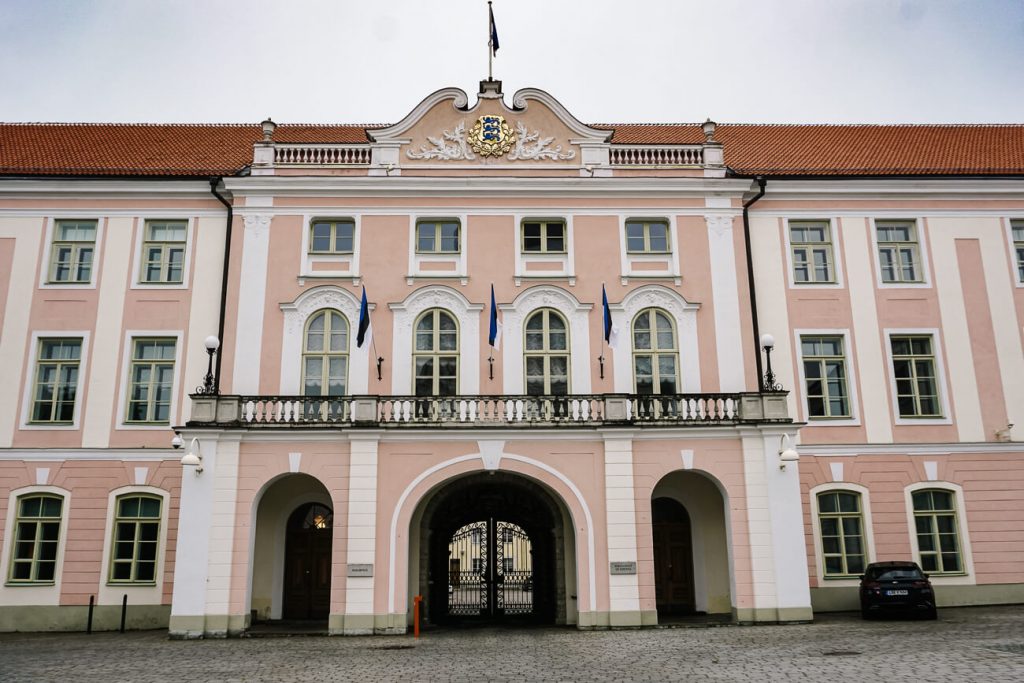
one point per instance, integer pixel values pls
(194, 458)
(211, 384)
(787, 453)
(768, 382)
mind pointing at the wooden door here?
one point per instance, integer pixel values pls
(673, 557)
(307, 574)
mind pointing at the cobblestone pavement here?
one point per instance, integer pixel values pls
(967, 644)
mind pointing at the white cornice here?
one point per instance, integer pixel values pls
(459, 102)
(54, 188)
(930, 449)
(62, 454)
(896, 188)
(521, 102)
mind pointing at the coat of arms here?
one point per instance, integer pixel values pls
(491, 136)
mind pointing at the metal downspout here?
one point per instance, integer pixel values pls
(214, 182)
(761, 182)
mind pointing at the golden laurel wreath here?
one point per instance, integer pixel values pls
(491, 136)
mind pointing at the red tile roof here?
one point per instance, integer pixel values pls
(192, 150)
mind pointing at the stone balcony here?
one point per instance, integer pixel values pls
(496, 411)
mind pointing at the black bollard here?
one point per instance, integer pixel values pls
(124, 610)
(88, 623)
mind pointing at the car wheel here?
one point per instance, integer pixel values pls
(865, 613)
(931, 614)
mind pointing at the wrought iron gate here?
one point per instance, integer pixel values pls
(490, 570)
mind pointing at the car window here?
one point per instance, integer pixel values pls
(898, 574)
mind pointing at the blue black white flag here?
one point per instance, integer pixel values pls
(611, 332)
(494, 336)
(365, 332)
(493, 42)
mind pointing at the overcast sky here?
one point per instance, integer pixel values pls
(350, 61)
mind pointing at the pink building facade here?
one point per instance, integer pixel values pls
(330, 473)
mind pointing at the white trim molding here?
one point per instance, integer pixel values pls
(138, 594)
(852, 395)
(120, 423)
(33, 593)
(867, 530)
(139, 238)
(81, 390)
(963, 536)
(938, 353)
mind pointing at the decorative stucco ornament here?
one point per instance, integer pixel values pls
(491, 136)
(451, 146)
(533, 146)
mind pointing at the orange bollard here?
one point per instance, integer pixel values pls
(416, 615)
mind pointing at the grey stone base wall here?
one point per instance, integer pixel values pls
(35, 618)
(846, 599)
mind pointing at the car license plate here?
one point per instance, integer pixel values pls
(899, 592)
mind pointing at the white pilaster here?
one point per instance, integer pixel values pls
(251, 300)
(191, 554)
(726, 303)
(221, 523)
(362, 524)
(624, 590)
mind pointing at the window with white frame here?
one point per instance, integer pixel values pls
(938, 538)
(810, 244)
(163, 252)
(325, 354)
(331, 236)
(899, 253)
(841, 522)
(438, 236)
(647, 236)
(72, 251)
(136, 538)
(56, 381)
(151, 381)
(546, 354)
(436, 354)
(825, 377)
(655, 353)
(543, 237)
(917, 386)
(1017, 228)
(35, 538)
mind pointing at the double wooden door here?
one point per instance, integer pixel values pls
(307, 573)
(673, 557)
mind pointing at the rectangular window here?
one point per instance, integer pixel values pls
(898, 251)
(163, 252)
(917, 387)
(151, 381)
(825, 376)
(136, 539)
(1018, 247)
(842, 536)
(811, 246)
(647, 237)
(938, 542)
(331, 236)
(71, 256)
(544, 237)
(56, 382)
(36, 536)
(437, 237)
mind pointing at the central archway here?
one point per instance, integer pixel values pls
(495, 547)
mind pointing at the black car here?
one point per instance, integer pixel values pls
(889, 587)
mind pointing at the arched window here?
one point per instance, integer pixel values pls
(325, 354)
(136, 539)
(546, 354)
(435, 354)
(938, 537)
(36, 535)
(655, 353)
(842, 533)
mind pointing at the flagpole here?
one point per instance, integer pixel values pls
(490, 45)
(603, 331)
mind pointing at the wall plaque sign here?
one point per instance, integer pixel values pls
(361, 570)
(622, 567)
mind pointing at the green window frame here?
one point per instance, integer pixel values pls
(438, 236)
(325, 354)
(1017, 230)
(546, 353)
(655, 353)
(645, 236)
(35, 538)
(544, 237)
(72, 252)
(841, 522)
(56, 380)
(938, 531)
(899, 255)
(810, 244)
(134, 550)
(436, 354)
(332, 236)
(914, 369)
(825, 376)
(163, 252)
(151, 381)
